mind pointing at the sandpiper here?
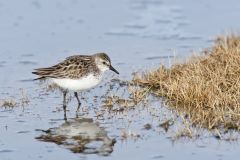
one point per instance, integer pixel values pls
(77, 73)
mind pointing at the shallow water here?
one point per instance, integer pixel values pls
(137, 34)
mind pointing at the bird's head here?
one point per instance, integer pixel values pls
(103, 62)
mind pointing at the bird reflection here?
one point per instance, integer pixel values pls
(80, 135)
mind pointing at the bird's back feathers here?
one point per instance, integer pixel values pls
(73, 67)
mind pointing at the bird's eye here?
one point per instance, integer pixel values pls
(104, 63)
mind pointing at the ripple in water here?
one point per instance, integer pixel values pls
(154, 19)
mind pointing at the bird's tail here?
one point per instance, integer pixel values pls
(42, 73)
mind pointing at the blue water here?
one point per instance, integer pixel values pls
(137, 35)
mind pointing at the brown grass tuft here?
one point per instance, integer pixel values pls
(8, 103)
(206, 88)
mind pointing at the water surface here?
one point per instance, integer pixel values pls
(137, 34)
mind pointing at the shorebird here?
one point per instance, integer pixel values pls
(77, 73)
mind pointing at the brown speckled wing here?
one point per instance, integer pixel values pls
(73, 67)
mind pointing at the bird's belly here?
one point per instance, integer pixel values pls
(84, 83)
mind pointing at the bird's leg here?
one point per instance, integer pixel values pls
(64, 98)
(64, 104)
(79, 103)
(65, 115)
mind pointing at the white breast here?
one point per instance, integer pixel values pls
(84, 83)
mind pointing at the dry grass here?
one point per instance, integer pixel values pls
(14, 102)
(135, 95)
(111, 100)
(24, 99)
(8, 103)
(206, 88)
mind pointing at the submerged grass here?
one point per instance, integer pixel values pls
(206, 89)
(10, 103)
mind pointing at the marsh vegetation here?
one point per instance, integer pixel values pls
(205, 89)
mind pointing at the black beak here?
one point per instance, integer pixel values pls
(113, 69)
